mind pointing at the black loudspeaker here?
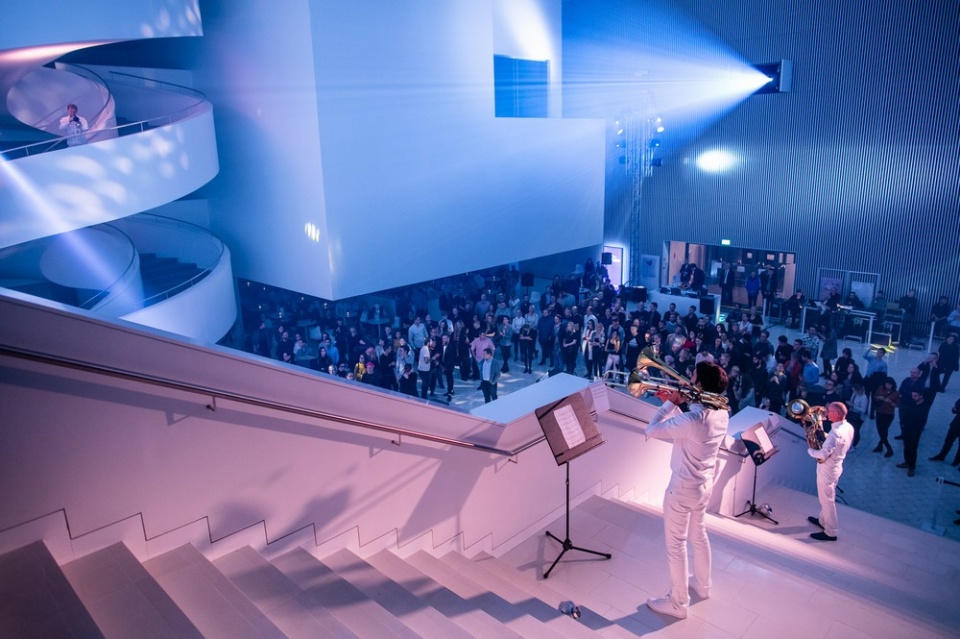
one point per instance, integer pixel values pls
(708, 305)
(526, 279)
(606, 259)
(638, 294)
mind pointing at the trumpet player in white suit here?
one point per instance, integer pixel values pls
(829, 468)
(696, 437)
(74, 126)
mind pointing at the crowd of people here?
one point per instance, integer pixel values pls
(483, 327)
(580, 326)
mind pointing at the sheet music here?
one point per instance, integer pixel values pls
(569, 426)
(764, 440)
(601, 401)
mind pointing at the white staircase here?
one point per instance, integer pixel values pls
(768, 582)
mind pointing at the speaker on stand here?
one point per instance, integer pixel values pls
(526, 280)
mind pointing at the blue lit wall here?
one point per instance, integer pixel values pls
(855, 169)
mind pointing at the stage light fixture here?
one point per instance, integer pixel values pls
(780, 74)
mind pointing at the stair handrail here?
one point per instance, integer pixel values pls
(150, 83)
(249, 400)
(88, 303)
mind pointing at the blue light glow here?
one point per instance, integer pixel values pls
(716, 161)
(652, 67)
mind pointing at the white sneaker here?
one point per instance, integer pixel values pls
(665, 606)
(703, 593)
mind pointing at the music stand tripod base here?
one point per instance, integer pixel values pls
(758, 458)
(567, 544)
(753, 510)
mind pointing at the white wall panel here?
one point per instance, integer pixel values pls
(375, 123)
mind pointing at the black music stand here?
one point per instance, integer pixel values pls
(570, 432)
(759, 449)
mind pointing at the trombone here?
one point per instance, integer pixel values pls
(639, 382)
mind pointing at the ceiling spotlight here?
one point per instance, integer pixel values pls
(780, 76)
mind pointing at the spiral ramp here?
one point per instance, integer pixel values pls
(64, 234)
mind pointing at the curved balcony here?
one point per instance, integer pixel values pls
(150, 162)
(187, 278)
(146, 269)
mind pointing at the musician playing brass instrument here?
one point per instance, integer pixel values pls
(696, 437)
(831, 455)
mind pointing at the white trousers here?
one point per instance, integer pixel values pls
(827, 477)
(683, 510)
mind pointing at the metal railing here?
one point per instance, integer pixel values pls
(214, 394)
(106, 291)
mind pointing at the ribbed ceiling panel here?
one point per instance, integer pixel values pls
(855, 169)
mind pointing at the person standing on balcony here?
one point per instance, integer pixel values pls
(74, 126)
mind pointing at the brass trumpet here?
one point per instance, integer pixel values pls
(811, 417)
(639, 382)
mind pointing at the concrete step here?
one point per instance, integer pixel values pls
(466, 614)
(37, 600)
(513, 616)
(124, 599)
(505, 586)
(350, 606)
(544, 590)
(208, 597)
(279, 598)
(401, 603)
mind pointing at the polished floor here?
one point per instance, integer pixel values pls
(870, 482)
(882, 580)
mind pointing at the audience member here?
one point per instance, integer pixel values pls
(914, 412)
(489, 375)
(886, 400)
(930, 372)
(952, 434)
